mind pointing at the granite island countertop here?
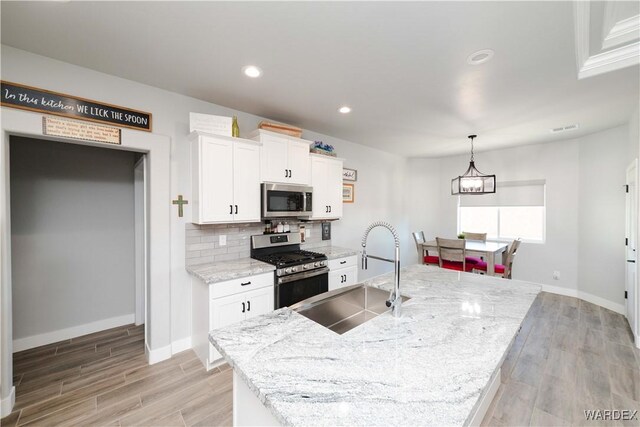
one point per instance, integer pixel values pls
(432, 366)
(228, 270)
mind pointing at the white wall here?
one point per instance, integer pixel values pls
(71, 235)
(584, 200)
(423, 200)
(601, 214)
(634, 134)
(381, 172)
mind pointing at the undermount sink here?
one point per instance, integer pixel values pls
(344, 309)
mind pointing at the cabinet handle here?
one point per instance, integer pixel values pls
(245, 283)
(243, 307)
(248, 305)
(236, 209)
(343, 262)
(329, 209)
(326, 209)
(286, 174)
(230, 209)
(290, 173)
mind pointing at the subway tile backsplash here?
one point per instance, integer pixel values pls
(203, 241)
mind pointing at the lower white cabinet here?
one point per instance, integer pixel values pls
(343, 272)
(222, 304)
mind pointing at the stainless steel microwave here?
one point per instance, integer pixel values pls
(286, 200)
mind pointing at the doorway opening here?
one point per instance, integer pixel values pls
(78, 243)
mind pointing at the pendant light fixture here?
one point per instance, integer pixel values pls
(473, 181)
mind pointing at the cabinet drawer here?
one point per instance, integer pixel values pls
(335, 264)
(249, 283)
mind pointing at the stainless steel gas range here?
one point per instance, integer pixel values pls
(299, 274)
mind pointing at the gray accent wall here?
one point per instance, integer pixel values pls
(72, 235)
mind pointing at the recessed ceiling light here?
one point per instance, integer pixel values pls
(252, 71)
(480, 57)
(344, 109)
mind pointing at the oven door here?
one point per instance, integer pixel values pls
(281, 200)
(298, 287)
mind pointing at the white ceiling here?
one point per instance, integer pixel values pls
(401, 66)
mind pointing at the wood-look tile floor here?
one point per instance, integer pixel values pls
(569, 356)
(104, 379)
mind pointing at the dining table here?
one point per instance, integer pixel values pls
(485, 249)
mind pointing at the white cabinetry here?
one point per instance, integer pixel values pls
(343, 272)
(326, 180)
(221, 304)
(225, 179)
(285, 159)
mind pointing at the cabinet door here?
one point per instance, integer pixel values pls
(246, 182)
(216, 180)
(319, 169)
(343, 277)
(223, 312)
(259, 301)
(274, 159)
(227, 310)
(298, 162)
(350, 276)
(335, 280)
(333, 189)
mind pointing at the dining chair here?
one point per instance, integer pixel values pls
(506, 268)
(418, 237)
(475, 236)
(481, 237)
(452, 254)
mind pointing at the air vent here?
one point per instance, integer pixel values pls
(564, 129)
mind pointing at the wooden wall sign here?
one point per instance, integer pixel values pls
(44, 101)
(74, 129)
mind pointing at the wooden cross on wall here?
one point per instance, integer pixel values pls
(180, 202)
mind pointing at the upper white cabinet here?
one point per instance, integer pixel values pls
(226, 179)
(285, 159)
(326, 180)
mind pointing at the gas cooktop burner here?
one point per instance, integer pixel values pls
(287, 259)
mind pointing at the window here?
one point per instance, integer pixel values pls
(516, 210)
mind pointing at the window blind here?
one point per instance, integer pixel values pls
(511, 193)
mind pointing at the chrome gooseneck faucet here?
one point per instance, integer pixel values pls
(395, 300)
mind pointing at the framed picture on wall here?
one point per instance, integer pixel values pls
(349, 174)
(348, 195)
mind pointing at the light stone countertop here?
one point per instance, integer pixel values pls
(335, 252)
(432, 366)
(227, 270)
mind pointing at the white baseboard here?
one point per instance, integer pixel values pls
(618, 308)
(26, 343)
(6, 405)
(157, 355)
(181, 345)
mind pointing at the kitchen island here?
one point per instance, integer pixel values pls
(438, 364)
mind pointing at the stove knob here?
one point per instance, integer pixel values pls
(287, 270)
(304, 267)
(316, 264)
(294, 269)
